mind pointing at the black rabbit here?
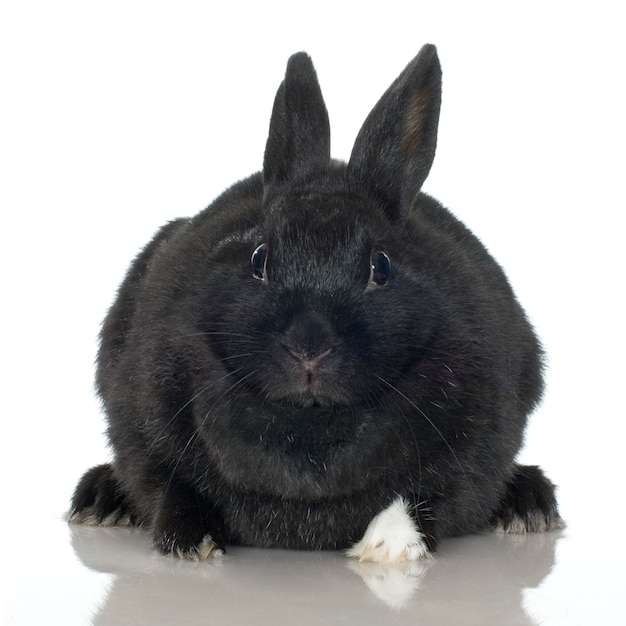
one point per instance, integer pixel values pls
(324, 358)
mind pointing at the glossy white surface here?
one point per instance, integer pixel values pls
(111, 576)
(84, 575)
(117, 117)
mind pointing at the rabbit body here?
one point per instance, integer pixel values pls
(321, 342)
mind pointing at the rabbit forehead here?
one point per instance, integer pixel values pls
(322, 222)
(321, 241)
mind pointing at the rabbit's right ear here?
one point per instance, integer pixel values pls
(299, 136)
(394, 150)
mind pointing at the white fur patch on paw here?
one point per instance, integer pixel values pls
(391, 537)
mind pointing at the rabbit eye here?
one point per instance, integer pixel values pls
(258, 261)
(380, 268)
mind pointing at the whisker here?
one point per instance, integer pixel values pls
(191, 400)
(196, 431)
(401, 436)
(432, 424)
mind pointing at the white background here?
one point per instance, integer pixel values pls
(116, 117)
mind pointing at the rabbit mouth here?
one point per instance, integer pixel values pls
(310, 391)
(306, 374)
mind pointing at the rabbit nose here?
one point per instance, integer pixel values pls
(309, 361)
(309, 340)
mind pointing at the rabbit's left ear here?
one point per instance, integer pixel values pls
(395, 148)
(299, 136)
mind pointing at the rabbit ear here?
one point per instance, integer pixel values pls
(395, 148)
(299, 136)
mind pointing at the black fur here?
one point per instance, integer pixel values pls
(289, 411)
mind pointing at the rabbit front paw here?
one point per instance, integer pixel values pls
(391, 537)
(188, 526)
(187, 549)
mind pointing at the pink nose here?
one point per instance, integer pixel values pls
(309, 362)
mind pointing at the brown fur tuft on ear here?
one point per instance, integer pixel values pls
(395, 148)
